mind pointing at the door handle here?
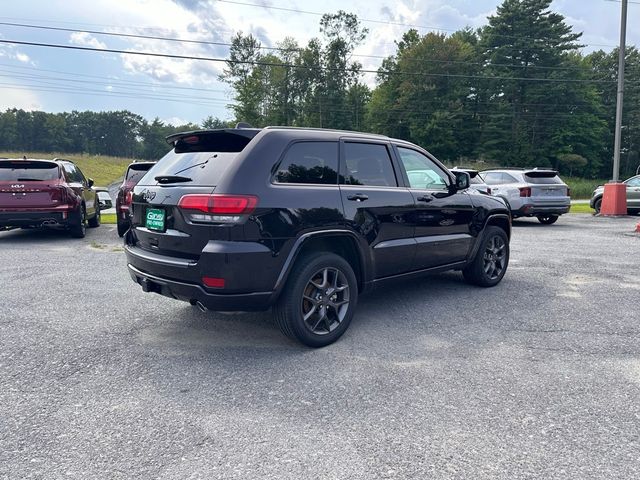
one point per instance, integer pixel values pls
(425, 198)
(358, 197)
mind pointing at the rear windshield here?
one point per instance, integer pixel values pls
(25, 171)
(542, 178)
(202, 157)
(203, 168)
(136, 172)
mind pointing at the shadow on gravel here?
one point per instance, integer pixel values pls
(37, 235)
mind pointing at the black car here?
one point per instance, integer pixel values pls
(305, 220)
(47, 193)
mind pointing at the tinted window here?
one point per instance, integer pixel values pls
(422, 171)
(203, 168)
(368, 164)
(310, 162)
(23, 171)
(542, 179)
(202, 157)
(136, 172)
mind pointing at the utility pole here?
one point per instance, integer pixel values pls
(614, 200)
(621, 59)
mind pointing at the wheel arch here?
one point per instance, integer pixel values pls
(341, 242)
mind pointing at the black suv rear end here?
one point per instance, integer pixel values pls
(305, 220)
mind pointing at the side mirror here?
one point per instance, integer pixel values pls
(105, 205)
(463, 180)
(90, 182)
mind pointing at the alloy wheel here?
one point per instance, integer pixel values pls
(494, 257)
(325, 300)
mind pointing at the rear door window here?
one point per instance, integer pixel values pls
(311, 163)
(493, 178)
(368, 164)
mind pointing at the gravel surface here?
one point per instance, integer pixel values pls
(538, 377)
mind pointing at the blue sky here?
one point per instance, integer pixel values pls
(177, 91)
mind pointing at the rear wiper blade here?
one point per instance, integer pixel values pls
(29, 180)
(172, 179)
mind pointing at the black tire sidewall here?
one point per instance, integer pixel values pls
(475, 273)
(79, 227)
(289, 308)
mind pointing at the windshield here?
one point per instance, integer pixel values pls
(25, 171)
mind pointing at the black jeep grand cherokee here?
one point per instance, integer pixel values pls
(305, 220)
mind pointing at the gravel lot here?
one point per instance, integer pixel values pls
(536, 378)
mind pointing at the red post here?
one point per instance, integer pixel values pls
(614, 199)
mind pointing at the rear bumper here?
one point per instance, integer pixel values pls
(34, 218)
(192, 293)
(532, 210)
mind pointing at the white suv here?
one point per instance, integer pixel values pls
(530, 192)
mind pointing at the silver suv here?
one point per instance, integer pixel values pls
(530, 192)
(633, 196)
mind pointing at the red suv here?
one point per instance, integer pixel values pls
(134, 174)
(46, 193)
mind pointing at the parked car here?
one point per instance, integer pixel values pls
(530, 192)
(477, 182)
(633, 196)
(134, 173)
(46, 193)
(104, 198)
(305, 220)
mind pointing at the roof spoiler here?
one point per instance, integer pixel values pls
(540, 173)
(247, 132)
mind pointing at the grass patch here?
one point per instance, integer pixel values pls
(108, 218)
(582, 188)
(103, 169)
(581, 208)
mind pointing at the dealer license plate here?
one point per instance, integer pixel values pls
(155, 219)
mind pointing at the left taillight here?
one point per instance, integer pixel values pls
(217, 208)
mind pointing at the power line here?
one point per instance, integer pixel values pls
(280, 49)
(286, 65)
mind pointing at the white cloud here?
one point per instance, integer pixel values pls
(86, 40)
(23, 57)
(18, 97)
(175, 121)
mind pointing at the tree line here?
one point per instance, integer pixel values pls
(516, 92)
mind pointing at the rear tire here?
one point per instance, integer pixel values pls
(79, 228)
(490, 263)
(122, 228)
(95, 221)
(597, 205)
(547, 219)
(318, 301)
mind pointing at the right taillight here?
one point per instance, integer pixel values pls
(525, 191)
(217, 208)
(128, 198)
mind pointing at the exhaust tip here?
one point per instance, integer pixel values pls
(198, 303)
